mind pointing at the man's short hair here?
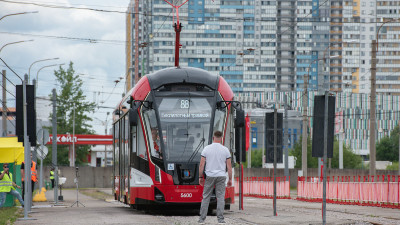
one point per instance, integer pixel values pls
(218, 134)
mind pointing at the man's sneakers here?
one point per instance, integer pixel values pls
(219, 222)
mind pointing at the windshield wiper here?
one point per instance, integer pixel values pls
(197, 148)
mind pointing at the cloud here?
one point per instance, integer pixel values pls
(101, 62)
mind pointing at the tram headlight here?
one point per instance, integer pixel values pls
(157, 174)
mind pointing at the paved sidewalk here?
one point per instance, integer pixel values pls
(95, 211)
(257, 211)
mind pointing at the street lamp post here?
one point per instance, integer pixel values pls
(37, 74)
(372, 119)
(40, 60)
(14, 14)
(16, 42)
(4, 113)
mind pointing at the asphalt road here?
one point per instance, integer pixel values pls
(256, 211)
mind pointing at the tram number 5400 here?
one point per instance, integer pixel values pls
(185, 104)
(186, 195)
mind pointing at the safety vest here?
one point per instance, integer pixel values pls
(33, 172)
(51, 175)
(6, 183)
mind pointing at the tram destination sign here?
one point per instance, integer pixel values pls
(197, 115)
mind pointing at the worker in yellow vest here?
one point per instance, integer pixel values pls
(7, 186)
(52, 177)
(33, 176)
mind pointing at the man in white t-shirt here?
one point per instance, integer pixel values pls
(216, 159)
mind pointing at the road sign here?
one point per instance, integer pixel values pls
(42, 152)
(43, 136)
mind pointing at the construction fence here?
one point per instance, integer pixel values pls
(263, 187)
(380, 190)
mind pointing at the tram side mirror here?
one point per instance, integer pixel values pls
(239, 120)
(133, 116)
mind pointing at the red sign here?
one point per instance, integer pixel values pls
(82, 139)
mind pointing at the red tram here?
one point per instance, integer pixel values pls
(160, 128)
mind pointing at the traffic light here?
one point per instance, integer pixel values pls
(30, 114)
(318, 126)
(269, 138)
(240, 136)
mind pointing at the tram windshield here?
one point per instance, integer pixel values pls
(185, 127)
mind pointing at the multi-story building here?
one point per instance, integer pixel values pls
(266, 48)
(260, 45)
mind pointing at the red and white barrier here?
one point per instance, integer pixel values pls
(352, 190)
(263, 187)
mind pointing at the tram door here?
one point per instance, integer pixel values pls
(123, 175)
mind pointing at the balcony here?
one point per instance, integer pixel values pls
(334, 40)
(336, 15)
(336, 32)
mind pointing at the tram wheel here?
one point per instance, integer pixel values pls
(227, 207)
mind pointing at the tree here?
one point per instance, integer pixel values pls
(350, 160)
(70, 98)
(296, 151)
(387, 149)
(256, 159)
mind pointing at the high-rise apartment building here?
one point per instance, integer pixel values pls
(266, 47)
(274, 45)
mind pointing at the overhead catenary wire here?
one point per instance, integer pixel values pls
(181, 18)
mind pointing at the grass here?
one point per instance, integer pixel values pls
(94, 193)
(8, 215)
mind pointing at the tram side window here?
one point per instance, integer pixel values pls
(228, 141)
(141, 150)
(150, 123)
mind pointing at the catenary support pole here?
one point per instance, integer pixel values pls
(54, 146)
(4, 113)
(372, 120)
(275, 155)
(325, 158)
(27, 154)
(304, 131)
(340, 149)
(286, 140)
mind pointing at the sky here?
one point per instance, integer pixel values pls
(94, 40)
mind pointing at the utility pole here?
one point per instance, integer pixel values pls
(27, 153)
(325, 158)
(275, 155)
(372, 119)
(73, 139)
(249, 150)
(4, 113)
(304, 132)
(105, 146)
(54, 146)
(286, 140)
(341, 149)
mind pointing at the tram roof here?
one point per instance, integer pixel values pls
(175, 75)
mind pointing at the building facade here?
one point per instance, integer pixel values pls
(269, 48)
